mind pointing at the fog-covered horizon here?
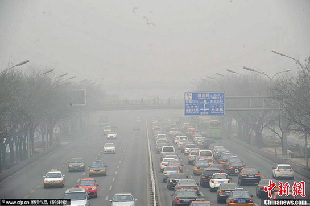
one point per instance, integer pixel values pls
(148, 49)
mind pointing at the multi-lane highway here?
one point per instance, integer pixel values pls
(127, 169)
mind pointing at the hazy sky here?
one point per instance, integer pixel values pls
(183, 42)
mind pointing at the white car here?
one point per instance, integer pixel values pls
(112, 135)
(109, 148)
(217, 179)
(123, 199)
(78, 196)
(282, 171)
(165, 162)
(54, 178)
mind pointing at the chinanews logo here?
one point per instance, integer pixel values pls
(284, 194)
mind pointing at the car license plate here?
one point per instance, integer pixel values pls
(241, 201)
(251, 175)
(186, 200)
(220, 182)
(97, 172)
(236, 170)
(227, 193)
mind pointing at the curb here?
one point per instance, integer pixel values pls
(26, 162)
(273, 158)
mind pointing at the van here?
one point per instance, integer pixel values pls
(205, 154)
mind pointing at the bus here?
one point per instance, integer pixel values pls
(215, 129)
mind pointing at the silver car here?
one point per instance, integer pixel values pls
(170, 170)
(123, 199)
(78, 196)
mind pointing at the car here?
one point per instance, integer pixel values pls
(224, 190)
(181, 145)
(165, 162)
(109, 148)
(217, 149)
(97, 168)
(170, 170)
(161, 136)
(260, 192)
(185, 197)
(192, 157)
(123, 199)
(207, 174)
(188, 147)
(54, 178)
(200, 203)
(223, 159)
(167, 150)
(249, 175)
(159, 145)
(107, 129)
(205, 154)
(201, 164)
(76, 164)
(173, 179)
(217, 179)
(276, 196)
(239, 197)
(187, 184)
(233, 168)
(78, 196)
(177, 139)
(112, 135)
(90, 185)
(219, 166)
(177, 163)
(282, 171)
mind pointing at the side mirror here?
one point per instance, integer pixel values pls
(77, 185)
(44, 176)
(97, 184)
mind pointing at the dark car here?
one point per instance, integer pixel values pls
(224, 190)
(219, 166)
(185, 197)
(160, 145)
(233, 168)
(207, 174)
(239, 198)
(173, 179)
(260, 188)
(249, 175)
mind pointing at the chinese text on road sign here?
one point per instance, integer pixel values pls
(204, 103)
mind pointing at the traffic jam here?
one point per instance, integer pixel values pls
(197, 170)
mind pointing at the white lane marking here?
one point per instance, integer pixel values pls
(107, 197)
(115, 172)
(110, 187)
(120, 161)
(117, 166)
(98, 154)
(113, 179)
(83, 173)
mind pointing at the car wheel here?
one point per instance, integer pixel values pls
(44, 187)
(211, 189)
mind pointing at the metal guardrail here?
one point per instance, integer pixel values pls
(153, 194)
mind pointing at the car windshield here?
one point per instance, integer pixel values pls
(53, 175)
(220, 176)
(87, 183)
(76, 161)
(205, 153)
(241, 194)
(228, 186)
(190, 146)
(250, 171)
(168, 149)
(181, 193)
(168, 159)
(122, 198)
(75, 196)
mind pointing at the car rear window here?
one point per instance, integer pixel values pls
(205, 153)
(287, 167)
(186, 193)
(211, 172)
(220, 176)
(250, 171)
(228, 186)
(168, 149)
(171, 168)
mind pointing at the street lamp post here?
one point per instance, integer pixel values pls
(284, 134)
(16, 65)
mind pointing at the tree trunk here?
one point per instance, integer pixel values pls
(3, 151)
(25, 153)
(259, 139)
(306, 151)
(12, 152)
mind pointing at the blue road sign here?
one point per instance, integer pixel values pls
(204, 103)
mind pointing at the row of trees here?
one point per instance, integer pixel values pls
(33, 102)
(289, 93)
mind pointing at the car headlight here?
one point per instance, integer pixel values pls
(93, 188)
(70, 165)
